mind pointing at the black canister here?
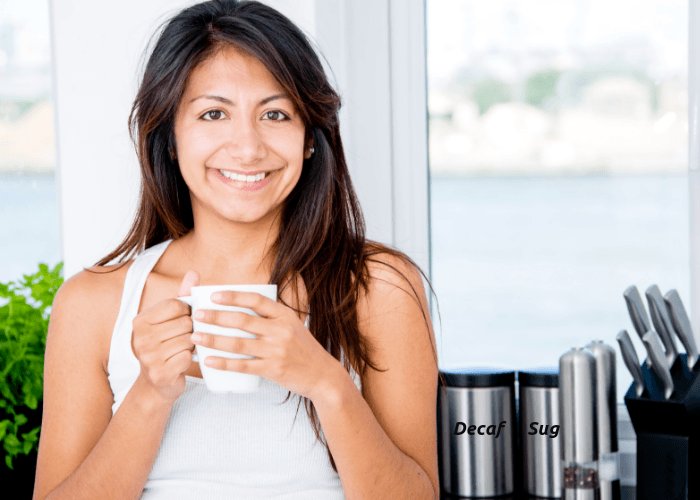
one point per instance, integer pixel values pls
(538, 400)
(477, 432)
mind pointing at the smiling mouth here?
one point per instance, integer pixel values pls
(245, 178)
(257, 182)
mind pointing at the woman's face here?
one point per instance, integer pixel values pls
(235, 118)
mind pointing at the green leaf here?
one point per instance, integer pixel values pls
(5, 391)
(11, 443)
(33, 435)
(31, 401)
(3, 428)
(24, 320)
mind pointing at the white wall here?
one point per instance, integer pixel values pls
(95, 80)
(375, 49)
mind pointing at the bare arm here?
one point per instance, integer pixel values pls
(384, 441)
(84, 452)
(119, 465)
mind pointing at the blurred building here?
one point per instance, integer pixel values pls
(27, 140)
(611, 129)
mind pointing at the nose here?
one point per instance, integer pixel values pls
(247, 145)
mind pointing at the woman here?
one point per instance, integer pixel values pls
(236, 87)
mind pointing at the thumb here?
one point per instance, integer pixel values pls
(190, 279)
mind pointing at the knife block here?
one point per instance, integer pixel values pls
(668, 434)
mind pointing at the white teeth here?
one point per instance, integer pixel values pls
(245, 178)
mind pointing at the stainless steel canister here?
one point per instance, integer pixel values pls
(606, 404)
(477, 432)
(540, 431)
(577, 413)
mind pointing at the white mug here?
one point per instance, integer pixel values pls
(224, 380)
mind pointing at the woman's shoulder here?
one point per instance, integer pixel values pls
(391, 277)
(93, 283)
(93, 296)
(391, 269)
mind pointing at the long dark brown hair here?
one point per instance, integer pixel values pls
(322, 231)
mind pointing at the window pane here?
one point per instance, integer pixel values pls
(558, 140)
(29, 224)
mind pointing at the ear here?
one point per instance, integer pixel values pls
(308, 153)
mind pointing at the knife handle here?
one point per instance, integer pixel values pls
(629, 356)
(662, 322)
(681, 324)
(638, 314)
(656, 353)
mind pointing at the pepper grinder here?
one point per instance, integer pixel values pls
(606, 405)
(578, 412)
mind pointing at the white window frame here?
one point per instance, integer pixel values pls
(376, 49)
(694, 161)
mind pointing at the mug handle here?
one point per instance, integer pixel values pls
(187, 299)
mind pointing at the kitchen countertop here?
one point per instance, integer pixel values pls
(627, 493)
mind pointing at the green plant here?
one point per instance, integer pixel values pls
(24, 322)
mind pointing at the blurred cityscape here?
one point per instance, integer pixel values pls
(557, 88)
(567, 123)
(27, 139)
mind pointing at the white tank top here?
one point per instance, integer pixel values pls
(223, 446)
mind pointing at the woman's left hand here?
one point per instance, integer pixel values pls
(286, 351)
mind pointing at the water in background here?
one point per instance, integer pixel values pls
(524, 269)
(29, 225)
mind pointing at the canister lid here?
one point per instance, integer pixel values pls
(539, 377)
(478, 377)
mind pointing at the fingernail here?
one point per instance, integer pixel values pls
(199, 315)
(216, 296)
(195, 337)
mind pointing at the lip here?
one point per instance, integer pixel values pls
(244, 185)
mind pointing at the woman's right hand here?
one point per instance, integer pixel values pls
(162, 343)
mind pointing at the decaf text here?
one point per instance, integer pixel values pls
(481, 430)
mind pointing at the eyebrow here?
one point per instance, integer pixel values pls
(231, 103)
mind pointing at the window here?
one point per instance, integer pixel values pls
(558, 149)
(29, 225)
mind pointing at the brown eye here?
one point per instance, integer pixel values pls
(276, 116)
(209, 112)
